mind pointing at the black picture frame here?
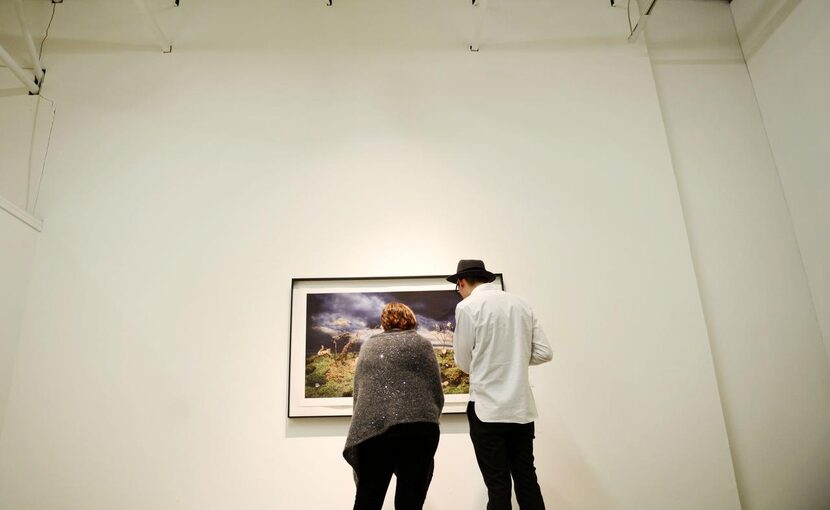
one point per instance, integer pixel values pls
(327, 399)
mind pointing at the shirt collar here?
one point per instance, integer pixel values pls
(486, 287)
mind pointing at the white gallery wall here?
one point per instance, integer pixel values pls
(788, 55)
(17, 245)
(16, 124)
(18, 112)
(773, 372)
(287, 139)
(183, 192)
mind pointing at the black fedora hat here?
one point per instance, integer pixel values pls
(471, 268)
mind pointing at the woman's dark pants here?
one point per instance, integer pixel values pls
(407, 450)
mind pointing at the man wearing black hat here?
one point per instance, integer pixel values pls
(497, 336)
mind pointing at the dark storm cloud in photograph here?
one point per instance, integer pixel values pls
(354, 312)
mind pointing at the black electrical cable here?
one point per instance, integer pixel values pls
(51, 18)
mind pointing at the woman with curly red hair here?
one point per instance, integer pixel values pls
(397, 404)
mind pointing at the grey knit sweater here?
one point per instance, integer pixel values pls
(396, 381)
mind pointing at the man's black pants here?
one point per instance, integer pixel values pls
(407, 450)
(505, 450)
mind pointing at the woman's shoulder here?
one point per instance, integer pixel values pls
(413, 335)
(401, 337)
(418, 342)
(380, 339)
(371, 342)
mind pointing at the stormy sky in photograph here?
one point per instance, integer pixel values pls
(359, 313)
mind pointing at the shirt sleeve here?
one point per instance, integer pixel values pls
(463, 339)
(540, 348)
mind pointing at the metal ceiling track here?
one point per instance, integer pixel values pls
(641, 23)
(480, 7)
(31, 81)
(163, 41)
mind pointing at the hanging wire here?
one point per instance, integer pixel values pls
(42, 41)
(52, 107)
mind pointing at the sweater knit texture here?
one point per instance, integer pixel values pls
(396, 381)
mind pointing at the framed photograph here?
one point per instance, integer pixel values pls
(332, 317)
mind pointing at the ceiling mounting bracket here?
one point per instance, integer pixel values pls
(641, 23)
(163, 41)
(480, 6)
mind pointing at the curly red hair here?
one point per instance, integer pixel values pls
(397, 316)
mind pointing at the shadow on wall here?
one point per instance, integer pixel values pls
(763, 23)
(576, 474)
(338, 426)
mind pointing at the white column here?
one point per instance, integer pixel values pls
(772, 368)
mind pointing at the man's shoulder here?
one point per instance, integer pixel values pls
(481, 299)
(502, 299)
(518, 299)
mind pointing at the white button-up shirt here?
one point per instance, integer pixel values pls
(497, 337)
